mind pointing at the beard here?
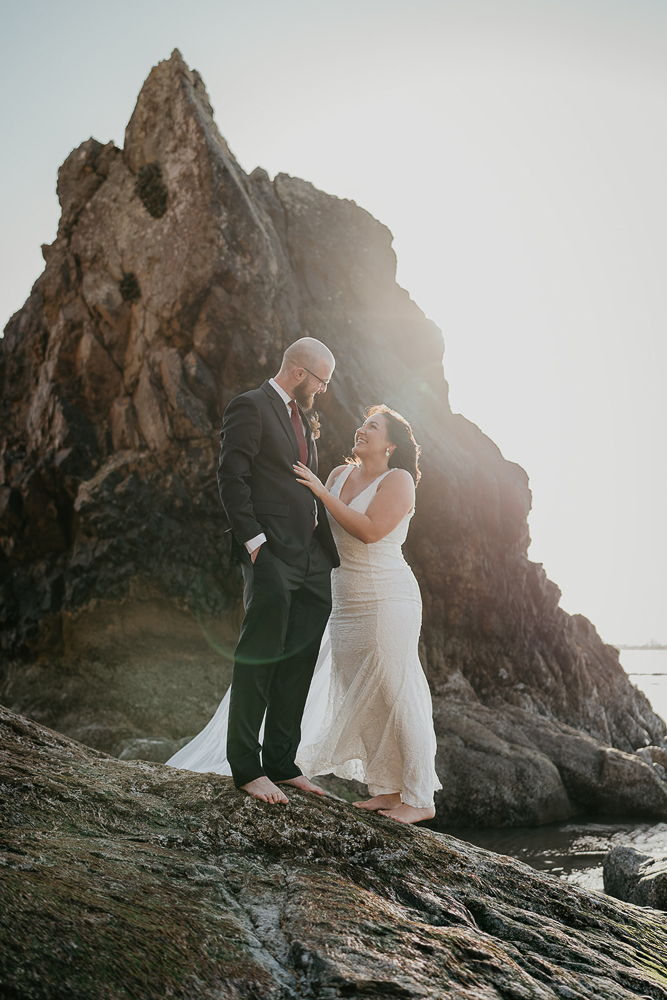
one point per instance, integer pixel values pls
(304, 399)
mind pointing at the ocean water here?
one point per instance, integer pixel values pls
(574, 851)
(647, 668)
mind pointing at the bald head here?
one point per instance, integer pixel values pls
(308, 352)
(307, 366)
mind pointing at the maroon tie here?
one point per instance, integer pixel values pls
(298, 430)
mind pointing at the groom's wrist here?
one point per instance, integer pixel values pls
(254, 543)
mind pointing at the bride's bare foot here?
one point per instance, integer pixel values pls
(262, 788)
(303, 784)
(390, 801)
(408, 814)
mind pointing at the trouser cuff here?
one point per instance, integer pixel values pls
(242, 775)
(283, 773)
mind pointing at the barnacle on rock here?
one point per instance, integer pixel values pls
(151, 189)
(129, 287)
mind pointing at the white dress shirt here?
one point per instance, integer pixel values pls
(286, 398)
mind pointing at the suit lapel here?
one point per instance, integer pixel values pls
(283, 417)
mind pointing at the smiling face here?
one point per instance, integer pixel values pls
(309, 384)
(371, 440)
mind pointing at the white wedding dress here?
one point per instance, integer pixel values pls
(368, 715)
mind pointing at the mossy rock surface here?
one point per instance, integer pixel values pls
(129, 879)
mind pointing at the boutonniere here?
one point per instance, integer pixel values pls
(314, 421)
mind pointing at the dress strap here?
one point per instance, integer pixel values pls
(339, 481)
(376, 482)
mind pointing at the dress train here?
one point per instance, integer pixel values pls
(207, 752)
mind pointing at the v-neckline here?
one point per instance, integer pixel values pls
(352, 499)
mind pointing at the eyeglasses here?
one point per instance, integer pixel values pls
(324, 382)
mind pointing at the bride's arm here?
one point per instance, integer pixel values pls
(394, 498)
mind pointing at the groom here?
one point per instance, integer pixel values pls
(281, 537)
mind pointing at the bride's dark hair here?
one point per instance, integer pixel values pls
(406, 453)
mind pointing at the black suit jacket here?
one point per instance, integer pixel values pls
(257, 483)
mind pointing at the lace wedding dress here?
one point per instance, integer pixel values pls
(368, 715)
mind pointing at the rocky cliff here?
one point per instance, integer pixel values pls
(136, 880)
(174, 283)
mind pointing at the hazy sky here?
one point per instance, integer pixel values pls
(518, 153)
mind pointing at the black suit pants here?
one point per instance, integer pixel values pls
(286, 611)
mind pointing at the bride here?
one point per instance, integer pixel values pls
(378, 726)
(368, 715)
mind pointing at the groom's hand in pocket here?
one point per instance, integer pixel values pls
(255, 553)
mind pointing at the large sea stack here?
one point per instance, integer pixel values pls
(175, 282)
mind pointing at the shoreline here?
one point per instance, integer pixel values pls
(574, 850)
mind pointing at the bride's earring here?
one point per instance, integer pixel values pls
(387, 453)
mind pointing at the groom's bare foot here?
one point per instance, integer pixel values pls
(408, 814)
(390, 801)
(262, 788)
(303, 784)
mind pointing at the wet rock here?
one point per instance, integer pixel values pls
(147, 749)
(175, 282)
(635, 877)
(131, 878)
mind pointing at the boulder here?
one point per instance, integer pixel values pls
(657, 757)
(175, 282)
(129, 878)
(635, 877)
(508, 766)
